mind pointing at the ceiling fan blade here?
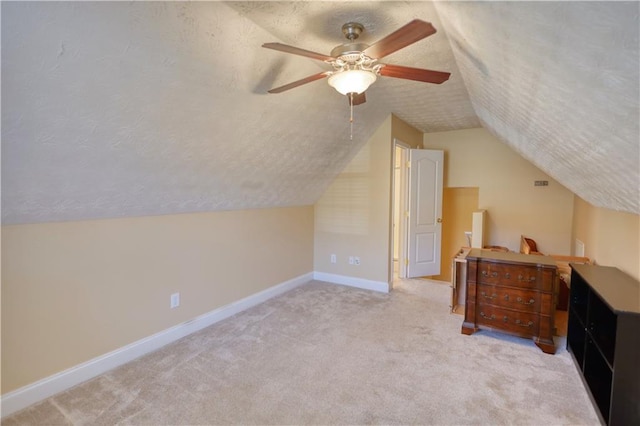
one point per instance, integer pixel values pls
(300, 82)
(417, 74)
(357, 99)
(297, 51)
(402, 37)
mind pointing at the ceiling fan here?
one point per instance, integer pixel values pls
(355, 65)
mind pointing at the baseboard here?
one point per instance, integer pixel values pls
(21, 398)
(352, 281)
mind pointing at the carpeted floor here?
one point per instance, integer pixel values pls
(329, 354)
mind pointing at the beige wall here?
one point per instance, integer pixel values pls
(610, 238)
(405, 132)
(475, 158)
(458, 205)
(73, 291)
(353, 217)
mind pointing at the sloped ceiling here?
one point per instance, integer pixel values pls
(559, 82)
(126, 109)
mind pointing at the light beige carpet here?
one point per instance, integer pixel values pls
(328, 354)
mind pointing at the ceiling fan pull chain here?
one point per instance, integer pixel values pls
(351, 113)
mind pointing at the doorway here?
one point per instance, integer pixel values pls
(416, 212)
(400, 208)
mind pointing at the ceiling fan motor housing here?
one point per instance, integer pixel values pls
(349, 52)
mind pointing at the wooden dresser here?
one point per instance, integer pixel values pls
(513, 293)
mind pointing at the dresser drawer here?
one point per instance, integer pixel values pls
(521, 300)
(524, 323)
(515, 276)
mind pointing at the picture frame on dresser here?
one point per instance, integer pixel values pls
(603, 338)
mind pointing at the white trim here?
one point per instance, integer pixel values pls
(352, 281)
(49, 386)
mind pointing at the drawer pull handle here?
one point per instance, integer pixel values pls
(507, 276)
(521, 324)
(530, 302)
(486, 296)
(486, 274)
(492, 317)
(521, 278)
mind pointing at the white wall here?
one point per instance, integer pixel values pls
(475, 158)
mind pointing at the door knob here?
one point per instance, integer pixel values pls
(439, 220)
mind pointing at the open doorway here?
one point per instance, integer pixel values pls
(424, 217)
(400, 208)
(417, 212)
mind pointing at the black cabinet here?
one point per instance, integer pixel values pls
(603, 335)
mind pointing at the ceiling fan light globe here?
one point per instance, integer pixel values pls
(352, 81)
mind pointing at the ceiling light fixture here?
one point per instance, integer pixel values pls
(354, 73)
(352, 81)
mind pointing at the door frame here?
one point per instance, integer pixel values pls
(403, 200)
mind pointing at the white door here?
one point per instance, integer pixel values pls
(425, 212)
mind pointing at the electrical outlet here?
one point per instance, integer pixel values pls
(351, 261)
(356, 260)
(175, 300)
(333, 258)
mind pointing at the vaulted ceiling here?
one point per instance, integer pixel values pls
(113, 109)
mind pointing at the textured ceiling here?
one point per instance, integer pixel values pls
(559, 82)
(114, 109)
